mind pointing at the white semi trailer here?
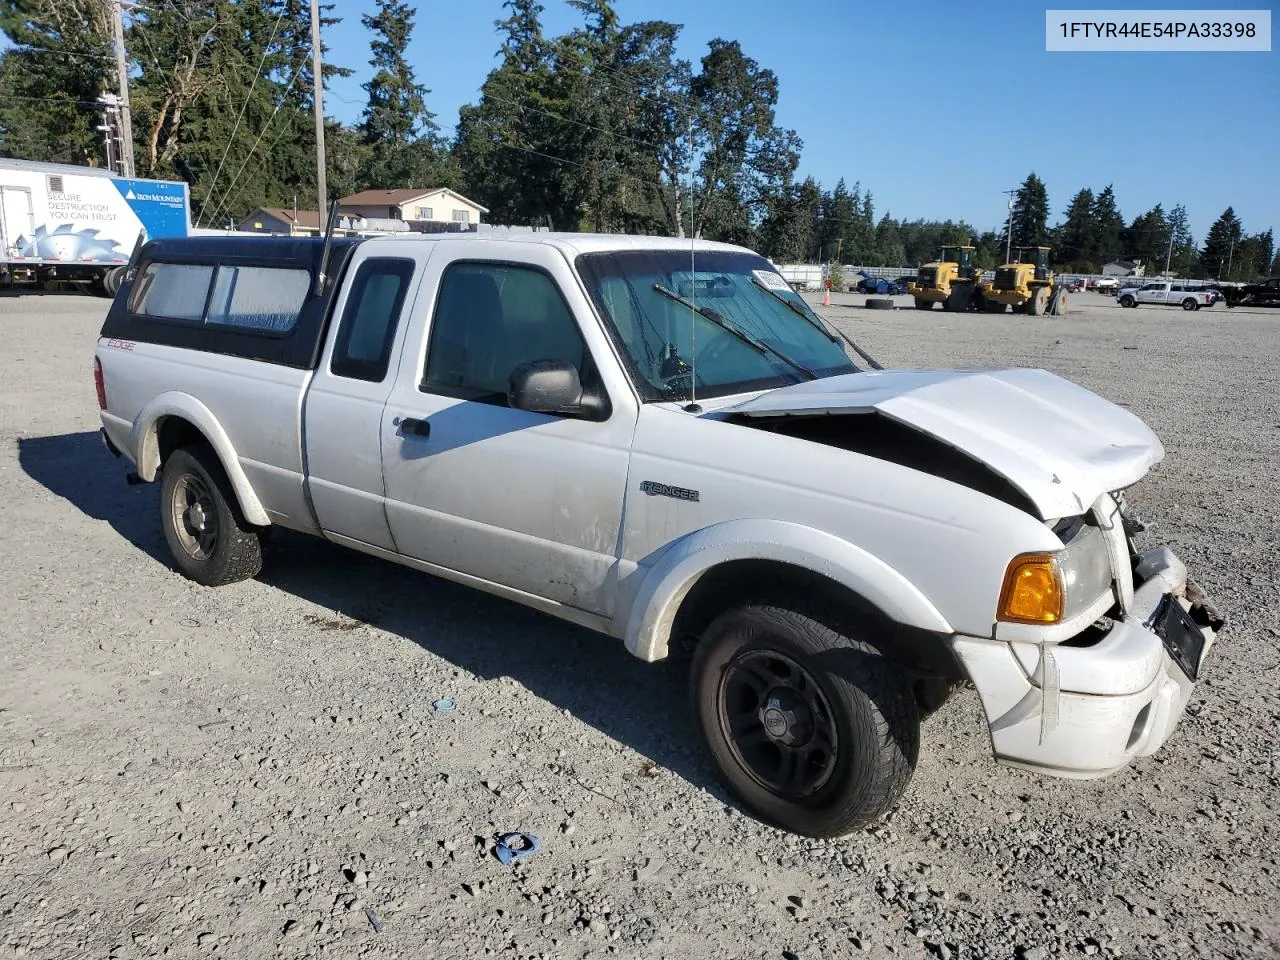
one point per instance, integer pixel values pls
(63, 223)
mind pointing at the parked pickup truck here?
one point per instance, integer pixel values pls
(665, 444)
(1167, 293)
(1264, 294)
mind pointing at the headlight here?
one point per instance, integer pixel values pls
(1047, 588)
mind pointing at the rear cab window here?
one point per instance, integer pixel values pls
(252, 298)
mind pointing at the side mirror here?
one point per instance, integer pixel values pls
(553, 386)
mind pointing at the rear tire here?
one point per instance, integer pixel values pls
(809, 726)
(1190, 304)
(208, 536)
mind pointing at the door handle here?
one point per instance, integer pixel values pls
(412, 426)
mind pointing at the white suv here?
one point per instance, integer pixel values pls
(1169, 293)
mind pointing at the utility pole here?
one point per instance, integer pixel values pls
(1169, 256)
(1230, 258)
(1008, 230)
(322, 187)
(122, 67)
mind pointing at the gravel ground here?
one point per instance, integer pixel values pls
(258, 770)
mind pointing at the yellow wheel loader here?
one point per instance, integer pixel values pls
(951, 280)
(1027, 284)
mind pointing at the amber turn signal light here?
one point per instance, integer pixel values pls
(1032, 591)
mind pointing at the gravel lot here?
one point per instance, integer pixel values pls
(258, 771)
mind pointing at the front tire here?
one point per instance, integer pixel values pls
(923, 304)
(208, 536)
(1128, 302)
(809, 726)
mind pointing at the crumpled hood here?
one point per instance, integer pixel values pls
(1058, 443)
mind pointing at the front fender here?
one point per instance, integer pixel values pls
(146, 441)
(668, 582)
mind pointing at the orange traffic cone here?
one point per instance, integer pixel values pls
(826, 297)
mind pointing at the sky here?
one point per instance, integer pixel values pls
(936, 108)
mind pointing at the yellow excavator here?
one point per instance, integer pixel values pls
(1027, 284)
(950, 280)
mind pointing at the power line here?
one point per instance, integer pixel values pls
(556, 116)
(247, 97)
(66, 100)
(62, 53)
(504, 144)
(297, 111)
(283, 98)
(621, 76)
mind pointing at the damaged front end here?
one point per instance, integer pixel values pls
(1094, 646)
(1086, 696)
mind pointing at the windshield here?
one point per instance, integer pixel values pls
(658, 333)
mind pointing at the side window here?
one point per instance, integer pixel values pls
(363, 348)
(490, 318)
(171, 291)
(261, 298)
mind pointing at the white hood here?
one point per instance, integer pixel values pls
(1058, 443)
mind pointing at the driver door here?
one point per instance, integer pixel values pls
(526, 500)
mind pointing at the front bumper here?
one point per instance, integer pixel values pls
(1086, 709)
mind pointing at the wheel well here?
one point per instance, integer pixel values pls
(737, 582)
(174, 432)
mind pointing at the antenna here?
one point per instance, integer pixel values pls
(693, 290)
(321, 275)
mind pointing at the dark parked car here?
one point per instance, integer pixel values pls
(1265, 294)
(881, 285)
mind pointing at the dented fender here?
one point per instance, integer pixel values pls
(678, 568)
(146, 444)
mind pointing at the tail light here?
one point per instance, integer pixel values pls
(99, 384)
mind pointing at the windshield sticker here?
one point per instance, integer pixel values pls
(770, 279)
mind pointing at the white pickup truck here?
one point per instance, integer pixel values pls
(1166, 293)
(662, 443)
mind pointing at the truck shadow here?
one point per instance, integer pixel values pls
(78, 468)
(645, 706)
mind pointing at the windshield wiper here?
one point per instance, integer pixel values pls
(715, 317)
(813, 322)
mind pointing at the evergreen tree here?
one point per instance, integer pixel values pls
(1074, 240)
(1265, 254)
(789, 231)
(1108, 227)
(1218, 254)
(890, 251)
(1183, 261)
(989, 252)
(744, 155)
(500, 138)
(1147, 239)
(1031, 213)
(396, 121)
(396, 114)
(50, 79)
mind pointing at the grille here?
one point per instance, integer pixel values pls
(1006, 278)
(927, 276)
